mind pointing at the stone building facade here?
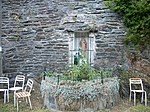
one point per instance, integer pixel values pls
(36, 33)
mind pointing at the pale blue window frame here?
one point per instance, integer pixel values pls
(74, 41)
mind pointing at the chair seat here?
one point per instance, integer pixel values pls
(3, 89)
(23, 94)
(139, 91)
(15, 88)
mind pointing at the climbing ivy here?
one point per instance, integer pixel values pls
(136, 17)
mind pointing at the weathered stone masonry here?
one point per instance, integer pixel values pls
(40, 37)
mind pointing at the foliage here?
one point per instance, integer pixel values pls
(72, 73)
(79, 72)
(83, 71)
(136, 18)
(105, 73)
(48, 73)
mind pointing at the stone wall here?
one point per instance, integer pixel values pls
(35, 34)
(0, 37)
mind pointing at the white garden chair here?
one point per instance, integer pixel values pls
(26, 93)
(18, 85)
(136, 86)
(5, 87)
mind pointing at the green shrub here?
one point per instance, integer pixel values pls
(48, 73)
(136, 17)
(80, 72)
(85, 72)
(72, 73)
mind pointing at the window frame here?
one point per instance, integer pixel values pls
(90, 47)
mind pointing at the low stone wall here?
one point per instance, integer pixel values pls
(75, 96)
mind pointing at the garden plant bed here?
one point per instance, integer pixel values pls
(78, 96)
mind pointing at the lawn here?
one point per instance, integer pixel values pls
(36, 101)
(37, 104)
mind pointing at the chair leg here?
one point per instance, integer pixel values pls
(17, 105)
(30, 102)
(130, 96)
(134, 98)
(5, 96)
(8, 95)
(142, 98)
(145, 99)
(14, 98)
(26, 100)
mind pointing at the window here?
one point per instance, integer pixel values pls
(81, 40)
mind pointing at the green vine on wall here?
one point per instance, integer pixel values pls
(136, 17)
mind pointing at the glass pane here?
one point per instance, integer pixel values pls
(72, 54)
(91, 43)
(76, 43)
(83, 44)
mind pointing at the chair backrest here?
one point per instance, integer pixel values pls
(5, 81)
(29, 85)
(136, 81)
(19, 79)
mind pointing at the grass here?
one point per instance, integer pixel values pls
(36, 100)
(23, 106)
(123, 106)
(139, 108)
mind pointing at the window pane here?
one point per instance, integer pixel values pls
(76, 43)
(91, 43)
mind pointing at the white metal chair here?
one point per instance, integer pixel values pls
(18, 85)
(26, 93)
(5, 89)
(136, 86)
